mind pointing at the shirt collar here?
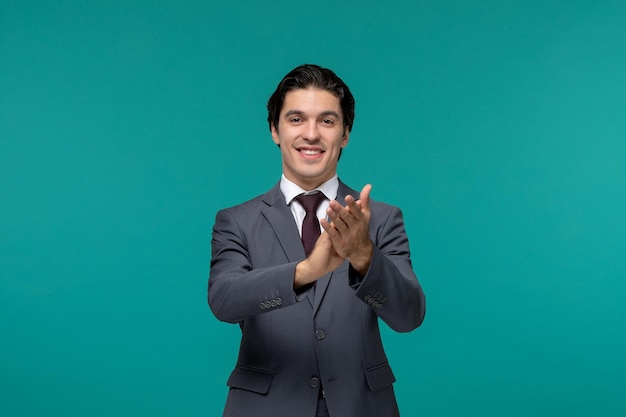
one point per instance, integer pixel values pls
(290, 190)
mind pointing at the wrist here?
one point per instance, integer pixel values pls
(299, 279)
(361, 261)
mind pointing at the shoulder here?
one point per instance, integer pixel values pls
(382, 212)
(256, 204)
(249, 215)
(236, 220)
(376, 206)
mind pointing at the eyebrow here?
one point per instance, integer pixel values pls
(322, 114)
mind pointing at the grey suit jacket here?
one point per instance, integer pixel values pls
(291, 343)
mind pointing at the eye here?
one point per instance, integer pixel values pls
(295, 120)
(328, 121)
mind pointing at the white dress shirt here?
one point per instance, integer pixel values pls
(291, 191)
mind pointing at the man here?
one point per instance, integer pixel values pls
(310, 339)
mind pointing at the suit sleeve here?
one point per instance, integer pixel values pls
(236, 290)
(390, 286)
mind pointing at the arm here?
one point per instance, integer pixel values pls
(380, 264)
(390, 286)
(236, 289)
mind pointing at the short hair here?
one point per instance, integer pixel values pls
(305, 76)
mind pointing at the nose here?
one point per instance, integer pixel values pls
(311, 131)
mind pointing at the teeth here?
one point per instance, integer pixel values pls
(309, 152)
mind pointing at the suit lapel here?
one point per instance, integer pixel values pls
(279, 216)
(281, 220)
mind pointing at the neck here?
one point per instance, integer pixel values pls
(308, 185)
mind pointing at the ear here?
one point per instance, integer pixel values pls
(275, 137)
(346, 138)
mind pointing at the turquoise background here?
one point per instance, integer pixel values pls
(498, 126)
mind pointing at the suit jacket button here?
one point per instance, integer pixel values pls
(262, 306)
(273, 303)
(319, 334)
(314, 382)
(279, 301)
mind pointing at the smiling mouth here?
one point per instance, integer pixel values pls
(310, 152)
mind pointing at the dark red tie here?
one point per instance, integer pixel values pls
(310, 225)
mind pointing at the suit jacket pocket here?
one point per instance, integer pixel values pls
(250, 379)
(379, 377)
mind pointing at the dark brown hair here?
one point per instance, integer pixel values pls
(306, 76)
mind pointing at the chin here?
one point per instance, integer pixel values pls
(312, 174)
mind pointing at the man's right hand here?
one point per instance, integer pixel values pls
(322, 260)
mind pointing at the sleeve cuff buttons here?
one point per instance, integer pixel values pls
(273, 303)
(377, 304)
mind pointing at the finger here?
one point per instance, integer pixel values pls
(345, 213)
(328, 227)
(353, 207)
(338, 221)
(350, 213)
(331, 233)
(364, 197)
(336, 212)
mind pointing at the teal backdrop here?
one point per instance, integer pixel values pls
(499, 127)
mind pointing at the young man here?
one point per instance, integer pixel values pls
(308, 306)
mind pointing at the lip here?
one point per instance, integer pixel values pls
(308, 152)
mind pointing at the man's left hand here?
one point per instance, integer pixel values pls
(349, 230)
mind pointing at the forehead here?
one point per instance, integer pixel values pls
(311, 100)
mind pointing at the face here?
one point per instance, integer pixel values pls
(310, 134)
